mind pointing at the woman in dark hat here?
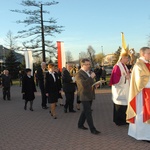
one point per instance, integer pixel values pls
(28, 88)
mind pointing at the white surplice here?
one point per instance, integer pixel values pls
(140, 130)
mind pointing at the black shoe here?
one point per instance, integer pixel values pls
(121, 124)
(65, 110)
(83, 127)
(146, 141)
(25, 108)
(55, 117)
(45, 107)
(51, 113)
(31, 109)
(78, 106)
(73, 111)
(95, 132)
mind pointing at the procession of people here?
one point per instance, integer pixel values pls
(130, 91)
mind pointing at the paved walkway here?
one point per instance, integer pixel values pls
(37, 130)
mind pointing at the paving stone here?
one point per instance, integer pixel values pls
(37, 130)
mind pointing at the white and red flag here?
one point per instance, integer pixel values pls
(61, 55)
(29, 59)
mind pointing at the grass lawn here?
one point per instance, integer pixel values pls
(108, 79)
(15, 82)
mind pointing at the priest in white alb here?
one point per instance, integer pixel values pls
(138, 110)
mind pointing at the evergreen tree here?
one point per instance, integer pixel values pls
(37, 29)
(12, 65)
(117, 54)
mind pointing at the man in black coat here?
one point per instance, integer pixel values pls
(98, 72)
(68, 88)
(41, 74)
(6, 83)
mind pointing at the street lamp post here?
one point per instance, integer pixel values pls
(102, 56)
(102, 49)
(79, 59)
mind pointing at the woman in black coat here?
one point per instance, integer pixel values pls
(52, 88)
(28, 88)
(60, 98)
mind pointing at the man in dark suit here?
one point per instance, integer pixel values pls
(68, 88)
(41, 74)
(84, 80)
(98, 72)
(6, 84)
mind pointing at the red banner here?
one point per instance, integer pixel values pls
(59, 55)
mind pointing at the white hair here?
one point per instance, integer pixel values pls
(43, 63)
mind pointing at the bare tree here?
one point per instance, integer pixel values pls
(91, 54)
(83, 55)
(99, 58)
(10, 41)
(69, 57)
(40, 29)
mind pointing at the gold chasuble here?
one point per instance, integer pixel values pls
(137, 85)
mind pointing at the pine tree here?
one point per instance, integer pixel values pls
(37, 31)
(12, 65)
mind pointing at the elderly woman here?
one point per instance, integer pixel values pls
(28, 89)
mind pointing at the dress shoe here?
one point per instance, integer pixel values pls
(25, 108)
(121, 124)
(73, 111)
(95, 132)
(45, 107)
(146, 141)
(83, 128)
(31, 109)
(78, 106)
(51, 113)
(55, 117)
(65, 110)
